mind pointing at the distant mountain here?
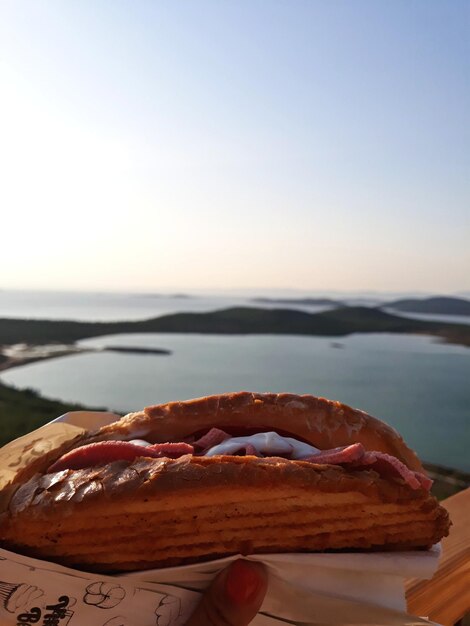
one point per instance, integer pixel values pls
(443, 305)
(302, 301)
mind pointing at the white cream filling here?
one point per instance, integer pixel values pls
(268, 444)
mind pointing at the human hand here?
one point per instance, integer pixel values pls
(234, 596)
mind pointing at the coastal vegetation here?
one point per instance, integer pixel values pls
(23, 410)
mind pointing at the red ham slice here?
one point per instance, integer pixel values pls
(107, 451)
(250, 450)
(338, 456)
(425, 482)
(390, 467)
(216, 436)
(386, 465)
(172, 450)
(211, 439)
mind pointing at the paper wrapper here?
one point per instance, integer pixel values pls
(348, 588)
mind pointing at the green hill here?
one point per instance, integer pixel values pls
(21, 411)
(237, 320)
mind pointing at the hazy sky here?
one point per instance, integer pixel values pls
(252, 143)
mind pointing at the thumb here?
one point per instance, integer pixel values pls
(234, 597)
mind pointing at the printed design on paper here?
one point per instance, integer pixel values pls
(104, 595)
(15, 596)
(58, 614)
(19, 598)
(31, 605)
(169, 611)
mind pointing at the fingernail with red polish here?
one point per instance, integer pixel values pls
(242, 583)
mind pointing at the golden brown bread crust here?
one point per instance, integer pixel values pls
(150, 513)
(323, 423)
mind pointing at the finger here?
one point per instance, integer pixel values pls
(234, 597)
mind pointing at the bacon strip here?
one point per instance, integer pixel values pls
(103, 452)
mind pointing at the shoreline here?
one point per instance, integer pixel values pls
(11, 362)
(8, 362)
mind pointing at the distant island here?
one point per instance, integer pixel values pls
(338, 322)
(168, 295)
(439, 305)
(302, 301)
(132, 350)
